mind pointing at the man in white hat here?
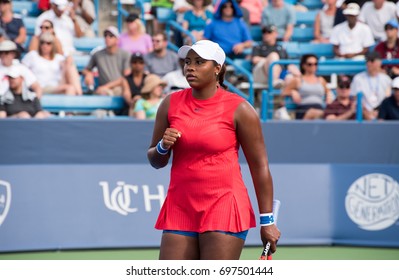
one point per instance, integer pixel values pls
(351, 39)
(65, 24)
(18, 101)
(8, 54)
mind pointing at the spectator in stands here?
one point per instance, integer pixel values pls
(46, 26)
(373, 83)
(255, 8)
(176, 80)
(341, 6)
(12, 24)
(309, 92)
(52, 70)
(85, 13)
(18, 101)
(229, 30)
(166, 5)
(389, 49)
(343, 107)
(389, 109)
(281, 15)
(196, 19)
(324, 22)
(8, 54)
(351, 39)
(65, 25)
(3, 35)
(111, 62)
(161, 60)
(179, 8)
(265, 54)
(375, 14)
(152, 96)
(135, 39)
(133, 83)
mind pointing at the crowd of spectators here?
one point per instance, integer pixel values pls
(137, 64)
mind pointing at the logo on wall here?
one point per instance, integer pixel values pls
(125, 198)
(372, 201)
(5, 200)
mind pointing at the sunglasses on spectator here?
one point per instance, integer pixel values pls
(5, 52)
(45, 27)
(137, 61)
(157, 40)
(312, 64)
(107, 34)
(388, 27)
(344, 86)
(45, 43)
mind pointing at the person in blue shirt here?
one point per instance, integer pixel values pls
(229, 30)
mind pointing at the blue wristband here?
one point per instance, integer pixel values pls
(161, 150)
(266, 219)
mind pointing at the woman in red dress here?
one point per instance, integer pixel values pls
(207, 211)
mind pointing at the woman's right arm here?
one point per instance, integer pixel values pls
(162, 132)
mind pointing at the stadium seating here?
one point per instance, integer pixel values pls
(30, 23)
(87, 44)
(82, 104)
(302, 34)
(306, 18)
(25, 8)
(312, 4)
(81, 61)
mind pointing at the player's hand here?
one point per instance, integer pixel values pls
(170, 137)
(270, 234)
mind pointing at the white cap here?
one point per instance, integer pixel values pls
(395, 83)
(113, 30)
(352, 9)
(8, 45)
(60, 3)
(206, 49)
(13, 72)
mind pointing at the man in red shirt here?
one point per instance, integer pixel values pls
(389, 49)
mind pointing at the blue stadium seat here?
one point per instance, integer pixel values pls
(306, 18)
(165, 14)
(30, 23)
(83, 103)
(244, 63)
(304, 34)
(81, 61)
(320, 50)
(312, 4)
(292, 49)
(256, 32)
(26, 8)
(87, 44)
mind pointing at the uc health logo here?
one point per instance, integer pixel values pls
(125, 199)
(372, 201)
(5, 200)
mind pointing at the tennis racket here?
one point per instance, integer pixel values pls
(265, 253)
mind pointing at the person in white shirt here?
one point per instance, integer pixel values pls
(65, 25)
(351, 39)
(373, 83)
(375, 14)
(51, 68)
(175, 80)
(8, 54)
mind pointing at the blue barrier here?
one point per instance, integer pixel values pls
(68, 184)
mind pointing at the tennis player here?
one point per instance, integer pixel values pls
(207, 211)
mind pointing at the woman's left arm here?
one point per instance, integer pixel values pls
(250, 137)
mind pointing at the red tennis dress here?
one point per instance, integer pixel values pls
(206, 190)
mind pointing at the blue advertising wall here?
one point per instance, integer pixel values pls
(67, 184)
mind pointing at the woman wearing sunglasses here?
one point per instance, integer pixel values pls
(46, 26)
(309, 92)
